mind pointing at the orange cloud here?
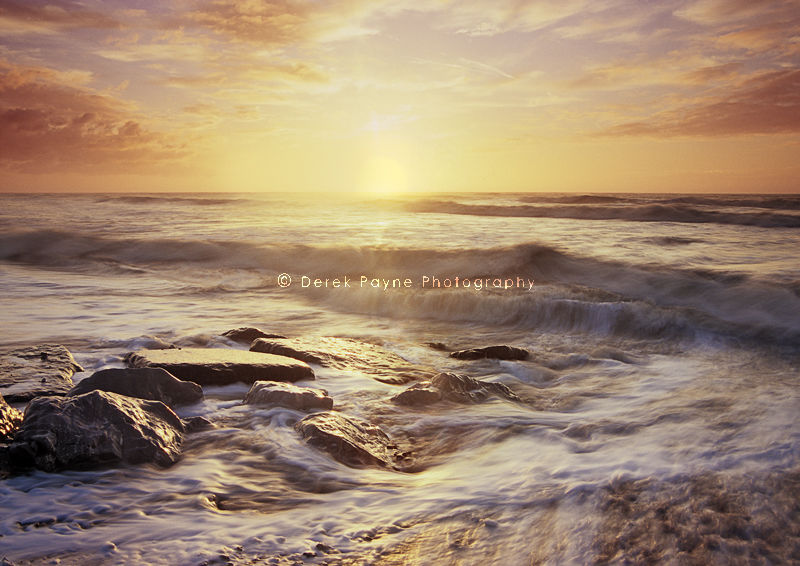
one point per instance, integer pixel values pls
(271, 23)
(59, 15)
(278, 23)
(713, 73)
(766, 104)
(47, 124)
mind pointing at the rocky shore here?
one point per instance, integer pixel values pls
(54, 417)
(126, 415)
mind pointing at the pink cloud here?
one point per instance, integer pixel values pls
(766, 104)
(46, 124)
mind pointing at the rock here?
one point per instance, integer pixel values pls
(26, 373)
(196, 424)
(452, 387)
(287, 395)
(286, 348)
(214, 366)
(96, 428)
(441, 346)
(418, 394)
(246, 334)
(10, 419)
(495, 352)
(346, 354)
(156, 384)
(351, 441)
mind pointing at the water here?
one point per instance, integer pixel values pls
(659, 414)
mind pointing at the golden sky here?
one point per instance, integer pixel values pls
(392, 95)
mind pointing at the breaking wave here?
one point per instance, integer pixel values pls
(629, 212)
(571, 292)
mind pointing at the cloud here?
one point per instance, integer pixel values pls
(280, 23)
(482, 19)
(765, 104)
(47, 123)
(716, 12)
(31, 17)
(712, 73)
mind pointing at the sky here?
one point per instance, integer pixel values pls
(392, 96)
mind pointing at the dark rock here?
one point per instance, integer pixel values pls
(351, 441)
(246, 334)
(96, 428)
(10, 419)
(452, 387)
(438, 346)
(346, 354)
(156, 384)
(419, 394)
(196, 424)
(213, 366)
(495, 352)
(284, 348)
(26, 373)
(287, 395)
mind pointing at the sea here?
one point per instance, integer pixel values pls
(658, 413)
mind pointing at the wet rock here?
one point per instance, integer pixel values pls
(494, 352)
(346, 354)
(26, 373)
(351, 441)
(246, 334)
(708, 518)
(452, 387)
(442, 347)
(463, 389)
(287, 348)
(196, 424)
(418, 394)
(156, 384)
(10, 419)
(94, 429)
(214, 366)
(287, 395)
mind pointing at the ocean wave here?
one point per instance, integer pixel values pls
(634, 213)
(772, 202)
(570, 292)
(579, 199)
(170, 199)
(672, 240)
(783, 202)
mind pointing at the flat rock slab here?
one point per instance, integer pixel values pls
(27, 373)
(10, 419)
(288, 395)
(351, 441)
(452, 387)
(156, 384)
(493, 352)
(215, 366)
(96, 429)
(346, 354)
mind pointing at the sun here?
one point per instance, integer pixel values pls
(384, 175)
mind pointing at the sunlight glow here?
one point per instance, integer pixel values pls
(383, 175)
